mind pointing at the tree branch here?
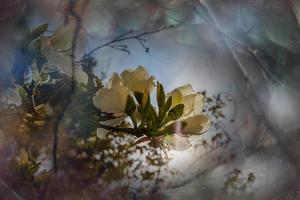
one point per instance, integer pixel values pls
(128, 36)
(77, 18)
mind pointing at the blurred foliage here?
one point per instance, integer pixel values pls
(42, 89)
(236, 181)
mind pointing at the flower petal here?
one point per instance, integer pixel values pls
(111, 100)
(193, 102)
(179, 93)
(61, 39)
(189, 104)
(63, 61)
(176, 97)
(186, 90)
(114, 81)
(195, 125)
(177, 142)
(138, 80)
(57, 47)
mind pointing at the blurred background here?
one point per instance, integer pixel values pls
(248, 51)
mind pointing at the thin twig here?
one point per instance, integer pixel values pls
(7, 188)
(127, 36)
(118, 129)
(252, 52)
(254, 99)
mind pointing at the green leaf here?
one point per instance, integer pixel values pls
(34, 168)
(176, 112)
(140, 109)
(36, 32)
(139, 97)
(130, 105)
(153, 117)
(23, 94)
(160, 95)
(164, 109)
(146, 100)
(168, 104)
(147, 107)
(35, 44)
(145, 110)
(162, 114)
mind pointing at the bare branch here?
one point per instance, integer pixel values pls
(135, 132)
(7, 190)
(117, 129)
(129, 35)
(72, 4)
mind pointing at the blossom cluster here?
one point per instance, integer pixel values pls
(176, 116)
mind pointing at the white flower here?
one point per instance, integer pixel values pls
(193, 102)
(177, 142)
(138, 80)
(182, 128)
(57, 49)
(194, 125)
(192, 122)
(112, 99)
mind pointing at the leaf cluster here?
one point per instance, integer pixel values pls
(152, 121)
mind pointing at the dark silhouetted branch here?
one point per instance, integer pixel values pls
(129, 35)
(72, 4)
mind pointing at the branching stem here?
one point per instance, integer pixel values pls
(126, 36)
